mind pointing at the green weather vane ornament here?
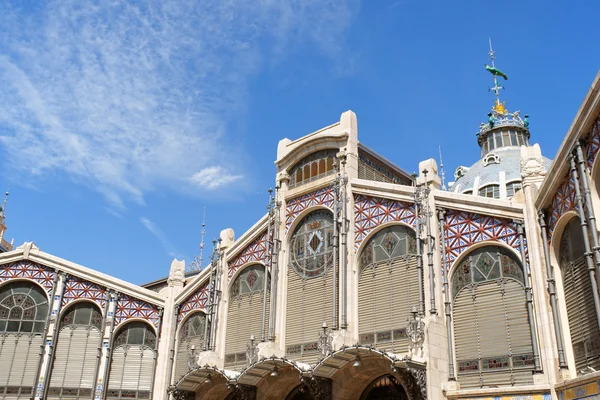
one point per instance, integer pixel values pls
(498, 107)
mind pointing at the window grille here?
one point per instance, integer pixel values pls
(313, 167)
(75, 358)
(23, 312)
(245, 312)
(387, 288)
(132, 362)
(512, 188)
(578, 296)
(491, 328)
(491, 191)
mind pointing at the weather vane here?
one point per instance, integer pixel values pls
(499, 107)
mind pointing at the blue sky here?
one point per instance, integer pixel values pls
(119, 123)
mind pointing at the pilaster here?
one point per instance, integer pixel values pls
(106, 346)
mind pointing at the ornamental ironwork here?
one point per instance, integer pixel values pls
(325, 342)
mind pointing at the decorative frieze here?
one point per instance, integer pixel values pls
(78, 288)
(562, 202)
(322, 197)
(128, 308)
(254, 252)
(370, 212)
(464, 229)
(28, 270)
(197, 301)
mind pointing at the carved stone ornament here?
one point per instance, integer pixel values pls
(177, 273)
(532, 166)
(320, 388)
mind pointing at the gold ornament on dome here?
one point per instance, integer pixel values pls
(500, 107)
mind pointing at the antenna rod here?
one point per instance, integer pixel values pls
(203, 233)
(442, 171)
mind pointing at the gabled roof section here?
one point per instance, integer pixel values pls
(381, 159)
(29, 251)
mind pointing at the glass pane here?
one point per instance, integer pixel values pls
(2, 326)
(26, 326)
(82, 315)
(299, 175)
(136, 335)
(513, 138)
(329, 163)
(13, 326)
(306, 171)
(491, 144)
(38, 327)
(314, 169)
(505, 139)
(321, 167)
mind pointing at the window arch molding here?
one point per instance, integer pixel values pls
(241, 270)
(26, 280)
(66, 308)
(479, 245)
(307, 150)
(190, 315)
(557, 233)
(300, 217)
(371, 235)
(126, 323)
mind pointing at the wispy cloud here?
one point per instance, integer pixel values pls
(160, 235)
(126, 97)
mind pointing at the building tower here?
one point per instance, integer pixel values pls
(497, 173)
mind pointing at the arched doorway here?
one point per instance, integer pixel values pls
(301, 392)
(386, 387)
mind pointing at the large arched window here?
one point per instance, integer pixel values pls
(491, 327)
(310, 291)
(75, 357)
(191, 336)
(245, 313)
(388, 288)
(23, 312)
(132, 362)
(578, 295)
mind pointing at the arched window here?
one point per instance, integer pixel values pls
(491, 191)
(191, 336)
(313, 167)
(512, 188)
(310, 284)
(387, 288)
(75, 357)
(245, 313)
(132, 362)
(578, 295)
(23, 312)
(491, 327)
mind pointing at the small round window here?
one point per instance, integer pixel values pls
(312, 245)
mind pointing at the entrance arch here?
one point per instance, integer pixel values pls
(386, 387)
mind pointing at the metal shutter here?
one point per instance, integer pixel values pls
(19, 355)
(244, 318)
(75, 360)
(309, 303)
(131, 372)
(583, 323)
(117, 368)
(386, 293)
(183, 351)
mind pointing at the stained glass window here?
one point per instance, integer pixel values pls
(312, 245)
(315, 166)
(23, 308)
(136, 333)
(486, 264)
(250, 280)
(82, 314)
(388, 244)
(193, 326)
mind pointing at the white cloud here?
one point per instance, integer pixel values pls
(213, 177)
(126, 97)
(160, 235)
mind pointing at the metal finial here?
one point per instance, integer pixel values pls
(3, 208)
(198, 261)
(491, 52)
(442, 171)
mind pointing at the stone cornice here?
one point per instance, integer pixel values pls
(386, 190)
(478, 204)
(247, 237)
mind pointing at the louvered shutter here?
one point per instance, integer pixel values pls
(309, 303)
(466, 338)
(244, 318)
(19, 356)
(117, 368)
(183, 351)
(583, 323)
(386, 293)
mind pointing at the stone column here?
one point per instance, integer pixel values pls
(56, 304)
(108, 328)
(169, 326)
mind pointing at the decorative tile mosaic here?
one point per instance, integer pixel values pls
(562, 202)
(255, 251)
(593, 144)
(370, 212)
(128, 307)
(29, 270)
(77, 288)
(464, 229)
(322, 197)
(197, 301)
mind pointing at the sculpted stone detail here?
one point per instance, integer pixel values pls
(532, 167)
(177, 273)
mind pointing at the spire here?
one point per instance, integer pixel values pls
(196, 264)
(3, 207)
(442, 170)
